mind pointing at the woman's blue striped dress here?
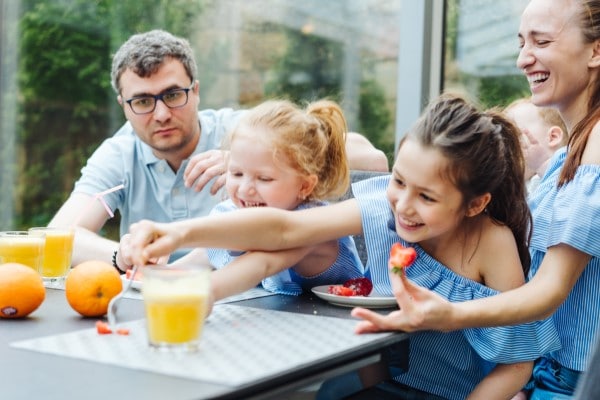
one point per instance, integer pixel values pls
(571, 215)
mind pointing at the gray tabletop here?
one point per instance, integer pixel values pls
(33, 374)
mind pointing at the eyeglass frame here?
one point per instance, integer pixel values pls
(160, 96)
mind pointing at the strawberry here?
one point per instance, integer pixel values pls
(352, 287)
(102, 328)
(401, 257)
(138, 274)
(360, 286)
(340, 290)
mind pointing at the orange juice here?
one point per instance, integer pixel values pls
(176, 301)
(176, 319)
(57, 252)
(22, 247)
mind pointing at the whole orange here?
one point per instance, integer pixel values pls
(89, 286)
(21, 290)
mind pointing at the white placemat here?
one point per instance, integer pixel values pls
(239, 345)
(137, 295)
(248, 294)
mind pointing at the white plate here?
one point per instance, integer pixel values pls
(137, 284)
(374, 300)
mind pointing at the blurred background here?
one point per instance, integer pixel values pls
(381, 59)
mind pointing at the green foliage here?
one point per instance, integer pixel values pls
(501, 90)
(375, 118)
(64, 80)
(310, 69)
(175, 16)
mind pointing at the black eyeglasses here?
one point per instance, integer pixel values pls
(174, 98)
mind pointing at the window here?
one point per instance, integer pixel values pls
(482, 50)
(381, 59)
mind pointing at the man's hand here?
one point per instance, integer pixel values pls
(204, 167)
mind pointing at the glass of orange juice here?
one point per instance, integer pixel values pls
(57, 252)
(22, 247)
(176, 302)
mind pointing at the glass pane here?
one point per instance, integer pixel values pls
(482, 50)
(57, 104)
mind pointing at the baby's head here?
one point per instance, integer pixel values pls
(543, 132)
(282, 155)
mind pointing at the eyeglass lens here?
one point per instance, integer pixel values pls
(172, 99)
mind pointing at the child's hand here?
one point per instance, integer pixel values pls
(420, 309)
(151, 242)
(125, 255)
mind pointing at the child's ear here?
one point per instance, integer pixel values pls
(478, 204)
(308, 185)
(555, 137)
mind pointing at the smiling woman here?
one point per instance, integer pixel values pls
(564, 248)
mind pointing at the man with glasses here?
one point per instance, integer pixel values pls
(167, 156)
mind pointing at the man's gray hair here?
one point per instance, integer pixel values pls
(144, 53)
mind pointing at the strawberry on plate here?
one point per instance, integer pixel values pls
(401, 257)
(340, 290)
(360, 286)
(352, 287)
(137, 277)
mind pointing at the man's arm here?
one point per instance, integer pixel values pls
(88, 216)
(362, 155)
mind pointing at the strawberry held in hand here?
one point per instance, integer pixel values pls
(401, 257)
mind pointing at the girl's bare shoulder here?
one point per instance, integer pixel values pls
(496, 235)
(498, 257)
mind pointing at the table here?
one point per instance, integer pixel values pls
(30, 374)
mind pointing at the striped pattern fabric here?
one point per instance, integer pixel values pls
(346, 266)
(445, 364)
(571, 215)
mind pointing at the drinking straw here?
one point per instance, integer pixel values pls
(100, 197)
